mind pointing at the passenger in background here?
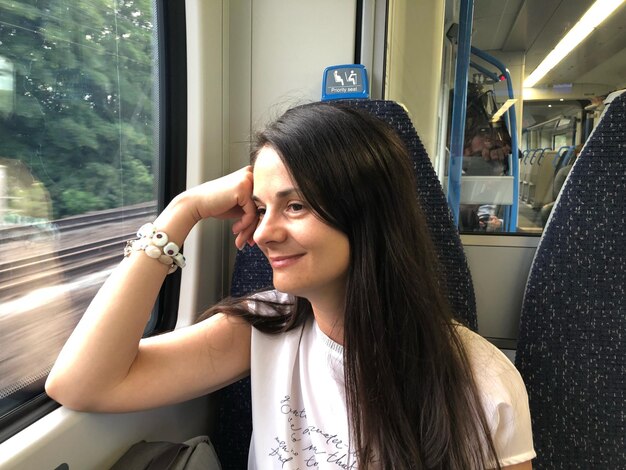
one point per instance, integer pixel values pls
(355, 359)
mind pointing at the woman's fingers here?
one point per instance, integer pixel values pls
(246, 225)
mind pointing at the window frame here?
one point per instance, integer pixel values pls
(172, 111)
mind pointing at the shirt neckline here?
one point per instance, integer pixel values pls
(329, 343)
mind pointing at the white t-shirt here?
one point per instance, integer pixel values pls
(299, 409)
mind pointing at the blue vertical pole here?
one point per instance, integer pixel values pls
(511, 212)
(459, 106)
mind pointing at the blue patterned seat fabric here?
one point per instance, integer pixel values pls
(252, 272)
(572, 344)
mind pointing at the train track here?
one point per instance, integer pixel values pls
(46, 269)
(69, 224)
(73, 257)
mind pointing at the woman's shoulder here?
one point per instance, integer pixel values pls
(496, 376)
(504, 398)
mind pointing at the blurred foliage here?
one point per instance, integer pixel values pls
(82, 120)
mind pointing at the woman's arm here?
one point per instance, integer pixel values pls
(106, 366)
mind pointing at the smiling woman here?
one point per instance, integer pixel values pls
(389, 299)
(309, 257)
(358, 314)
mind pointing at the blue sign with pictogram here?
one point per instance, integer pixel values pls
(345, 81)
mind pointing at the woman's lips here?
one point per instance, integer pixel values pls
(278, 262)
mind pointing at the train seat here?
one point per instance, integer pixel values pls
(541, 178)
(547, 190)
(571, 345)
(525, 169)
(252, 272)
(536, 166)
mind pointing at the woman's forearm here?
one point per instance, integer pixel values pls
(102, 348)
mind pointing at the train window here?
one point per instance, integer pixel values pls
(560, 140)
(83, 148)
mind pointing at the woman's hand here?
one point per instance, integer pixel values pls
(228, 197)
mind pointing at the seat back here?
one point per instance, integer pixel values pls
(252, 272)
(572, 343)
(454, 271)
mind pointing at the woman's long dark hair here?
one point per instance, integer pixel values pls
(411, 397)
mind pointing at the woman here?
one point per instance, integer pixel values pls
(355, 357)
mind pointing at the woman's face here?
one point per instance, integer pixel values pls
(310, 258)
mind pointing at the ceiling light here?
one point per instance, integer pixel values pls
(598, 12)
(507, 104)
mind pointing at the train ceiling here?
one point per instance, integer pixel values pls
(536, 26)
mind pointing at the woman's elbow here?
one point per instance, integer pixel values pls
(66, 394)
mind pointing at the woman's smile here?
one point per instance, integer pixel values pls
(279, 262)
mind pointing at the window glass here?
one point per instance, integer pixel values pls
(78, 159)
(506, 191)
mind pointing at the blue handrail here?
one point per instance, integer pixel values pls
(529, 155)
(510, 212)
(540, 159)
(459, 106)
(485, 71)
(532, 159)
(563, 154)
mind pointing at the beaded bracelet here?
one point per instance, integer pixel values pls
(156, 245)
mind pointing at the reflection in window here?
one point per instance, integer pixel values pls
(78, 157)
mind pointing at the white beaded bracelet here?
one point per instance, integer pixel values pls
(156, 245)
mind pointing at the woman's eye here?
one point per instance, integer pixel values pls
(296, 207)
(260, 211)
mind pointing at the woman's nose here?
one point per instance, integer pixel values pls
(270, 229)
